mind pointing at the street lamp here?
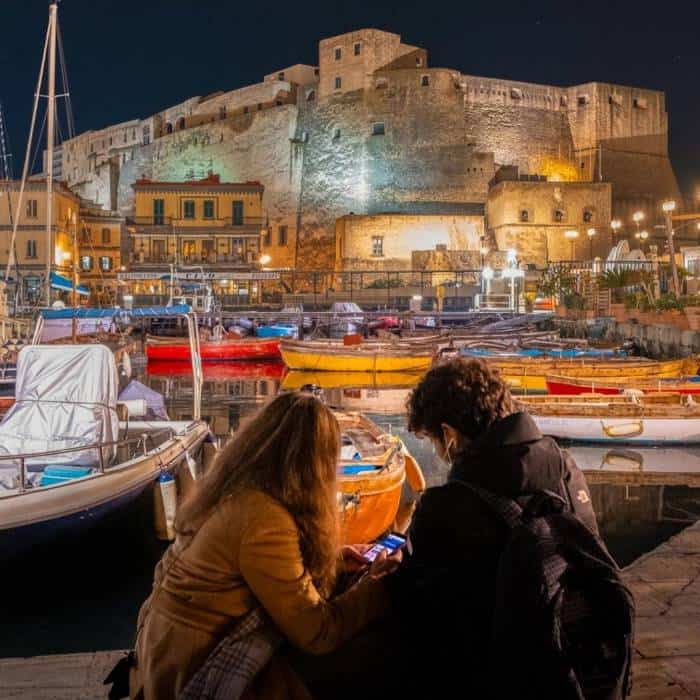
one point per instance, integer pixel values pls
(572, 235)
(487, 276)
(265, 259)
(615, 225)
(484, 252)
(590, 233)
(669, 206)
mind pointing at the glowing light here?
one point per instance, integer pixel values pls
(668, 206)
(616, 224)
(638, 216)
(590, 233)
(417, 297)
(484, 250)
(265, 259)
(512, 255)
(571, 234)
(487, 273)
(65, 255)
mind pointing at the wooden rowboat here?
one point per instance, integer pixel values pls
(531, 373)
(572, 386)
(654, 419)
(220, 371)
(318, 356)
(212, 350)
(351, 380)
(372, 470)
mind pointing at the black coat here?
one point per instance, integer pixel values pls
(443, 591)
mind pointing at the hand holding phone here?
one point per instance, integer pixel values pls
(389, 544)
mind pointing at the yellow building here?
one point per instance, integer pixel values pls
(31, 245)
(207, 225)
(99, 241)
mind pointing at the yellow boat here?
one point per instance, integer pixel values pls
(530, 373)
(373, 467)
(320, 356)
(296, 379)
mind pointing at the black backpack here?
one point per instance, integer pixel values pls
(563, 625)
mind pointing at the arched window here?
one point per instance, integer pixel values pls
(180, 123)
(168, 128)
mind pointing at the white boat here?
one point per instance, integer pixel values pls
(650, 461)
(69, 451)
(660, 419)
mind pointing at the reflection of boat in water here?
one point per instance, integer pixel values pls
(351, 380)
(378, 400)
(219, 371)
(666, 465)
(373, 467)
(531, 373)
(654, 419)
(320, 356)
(212, 350)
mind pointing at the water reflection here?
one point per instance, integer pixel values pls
(641, 496)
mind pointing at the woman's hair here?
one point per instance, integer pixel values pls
(289, 450)
(468, 395)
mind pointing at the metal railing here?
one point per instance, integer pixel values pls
(184, 223)
(100, 447)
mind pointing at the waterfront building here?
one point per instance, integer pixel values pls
(100, 251)
(374, 131)
(33, 252)
(203, 229)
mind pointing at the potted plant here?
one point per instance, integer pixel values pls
(557, 281)
(617, 282)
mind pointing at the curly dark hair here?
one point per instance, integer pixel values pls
(467, 394)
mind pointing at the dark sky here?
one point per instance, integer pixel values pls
(130, 58)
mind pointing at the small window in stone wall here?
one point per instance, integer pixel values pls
(280, 76)
(377, 246)
(106, 236)
(311, 96)
(524, 216)
(582, 100)
(639, 103)
(558, 216)
(105, 263)
(378, 129)
(267, 238)
(338, 82)
(425, 80)
(208, 209)
(338, 54)
(282, 235)
(587, 216)
(357, 48)
(336, 134)
(419, 61)
(188, 209)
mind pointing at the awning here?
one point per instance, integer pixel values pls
(65, 285)
(138, 312)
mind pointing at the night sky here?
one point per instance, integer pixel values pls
(130, 58)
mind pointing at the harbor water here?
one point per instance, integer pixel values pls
(82, 593)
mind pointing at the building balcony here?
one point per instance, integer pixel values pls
(247, 225)
(225, 261)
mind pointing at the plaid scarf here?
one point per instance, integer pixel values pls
(236, 660)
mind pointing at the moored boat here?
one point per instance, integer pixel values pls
(373, 467)
(219, 371)
(319, 356)
(296, 379)
(212, 350)
(655, 419)
(531, 373)
(573, 386)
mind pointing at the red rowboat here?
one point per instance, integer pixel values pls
(228, 349)
(219, 371)
(571, 386)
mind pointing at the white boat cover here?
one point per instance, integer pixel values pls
(65, 397)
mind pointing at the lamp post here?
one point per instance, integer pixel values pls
(669, 207)
(615, 225)
(487, 276)
(572, 235)
(590, 233)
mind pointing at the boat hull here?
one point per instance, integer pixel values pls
(353, 360)
(567, 386)
(628, 430)
(211, 351)
(27, 518)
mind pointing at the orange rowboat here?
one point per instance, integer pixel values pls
(373, 467)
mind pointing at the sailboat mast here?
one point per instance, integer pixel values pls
(50, 130)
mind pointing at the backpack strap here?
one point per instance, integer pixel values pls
(509, 511)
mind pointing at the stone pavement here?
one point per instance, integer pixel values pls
(665, 582)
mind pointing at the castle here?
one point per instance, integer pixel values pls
(373, 135)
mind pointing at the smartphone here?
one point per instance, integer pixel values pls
(390, 543)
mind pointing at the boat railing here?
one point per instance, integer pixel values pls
(139, 441)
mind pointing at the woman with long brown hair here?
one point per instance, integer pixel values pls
(260, 529)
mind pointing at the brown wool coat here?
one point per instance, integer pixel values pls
(246, 551)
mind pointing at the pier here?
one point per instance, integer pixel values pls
(666, 587)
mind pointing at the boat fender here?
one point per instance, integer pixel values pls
(192, 466)
(125, 365)
(168, 491)
(414, 473)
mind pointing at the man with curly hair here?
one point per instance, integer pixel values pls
(448, 578)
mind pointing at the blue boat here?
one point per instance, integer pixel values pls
(555, 353)
(277, 330)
